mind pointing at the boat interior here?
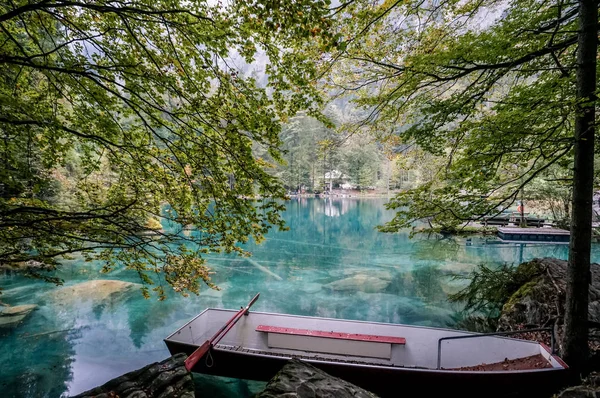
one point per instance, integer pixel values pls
(368, 343)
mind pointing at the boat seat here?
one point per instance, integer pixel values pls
(332, 335)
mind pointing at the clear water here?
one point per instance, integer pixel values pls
(332, 263)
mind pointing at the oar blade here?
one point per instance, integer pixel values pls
(197, 355)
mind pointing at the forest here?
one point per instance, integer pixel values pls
(319, 160)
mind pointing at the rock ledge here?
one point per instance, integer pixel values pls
(166, 379)
(298, 379)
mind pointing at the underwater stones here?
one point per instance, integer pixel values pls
(25, 266)
(311, 288)
(166, 379)
(298, 379)
(17, 310)
(438, 316)
(95, 290)
(397, 309)
(381, 274)
(208, 292)
(385, 275)
(11, 316)
(455, 267)
(407, 309)
(359, 282)
(224, 387)
(453, 286)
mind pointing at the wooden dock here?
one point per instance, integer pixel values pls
(550, 235)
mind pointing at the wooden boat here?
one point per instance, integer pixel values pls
(380, 357)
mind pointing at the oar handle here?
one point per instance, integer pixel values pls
(203, 349)
(242, 312)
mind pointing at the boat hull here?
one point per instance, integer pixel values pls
(386, 381)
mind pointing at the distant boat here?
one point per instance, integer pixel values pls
(387, 359)
(508, 218)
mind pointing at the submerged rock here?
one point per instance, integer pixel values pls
(359, 282)
(298, 379)
(381, 274)
(438, 316)
(208, 292)
(224, 387)
(11, 316)
(311, 288)
(96, 290)
(17, 310)
(166, 379)
(393, 305)
(25, 266)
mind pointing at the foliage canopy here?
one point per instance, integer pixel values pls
(115, 115)
(488, 85)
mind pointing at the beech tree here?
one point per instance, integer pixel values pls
(502, 90)
(120, 117)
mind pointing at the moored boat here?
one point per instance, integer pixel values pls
(383, 358)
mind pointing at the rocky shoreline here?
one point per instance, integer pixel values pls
(540, 301)
(165, 379)
(170, 379)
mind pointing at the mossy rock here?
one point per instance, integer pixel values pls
(524, 290)
(530, 269)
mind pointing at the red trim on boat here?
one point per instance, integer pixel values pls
(560, 361)
(545, 347)
(332, 335)
(556, 357)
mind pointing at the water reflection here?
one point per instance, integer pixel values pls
(332, 263)
(52, 372)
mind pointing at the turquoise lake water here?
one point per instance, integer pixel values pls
(332, 263)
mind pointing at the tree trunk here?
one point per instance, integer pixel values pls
(389, 162)
(312, 182)
(522, 222)
(578, 274)
(330, 173)
(290, 183)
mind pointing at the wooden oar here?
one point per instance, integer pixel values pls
(203, 349)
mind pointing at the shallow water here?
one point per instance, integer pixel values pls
(332, 263)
